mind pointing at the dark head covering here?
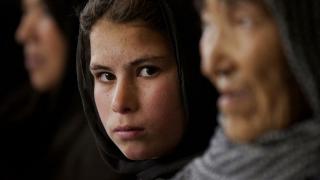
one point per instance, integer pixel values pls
(182, 26)
(64, 14)
(287, 154)
(299, 24)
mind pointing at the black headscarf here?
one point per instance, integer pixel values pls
(299, 24)
(182, 25)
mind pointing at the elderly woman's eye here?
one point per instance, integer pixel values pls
(248, 16)
(148, 71)
(245, 21)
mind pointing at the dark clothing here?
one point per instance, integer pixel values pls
(44, 140)
(289, 154)
(183, 29)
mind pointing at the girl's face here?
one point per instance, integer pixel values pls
(136, 89)
(44, 46)
(243, 57)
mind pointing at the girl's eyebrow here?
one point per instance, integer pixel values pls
(96, 67)
(135, 62)
(146, 59)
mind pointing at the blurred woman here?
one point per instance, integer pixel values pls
(263, 57)
(44, 132)
(149, 109)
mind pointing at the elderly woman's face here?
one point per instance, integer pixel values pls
(242, 56)
(44, 45)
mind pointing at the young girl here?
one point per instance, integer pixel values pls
(148, 106)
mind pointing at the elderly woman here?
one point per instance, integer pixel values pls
(263, 57)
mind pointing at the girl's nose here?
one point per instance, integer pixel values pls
(125, 98)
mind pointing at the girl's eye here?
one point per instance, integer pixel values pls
(148, 71)
(106, 77)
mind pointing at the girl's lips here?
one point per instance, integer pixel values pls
(128, 133)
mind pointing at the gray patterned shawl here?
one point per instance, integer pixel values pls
(284, 155)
